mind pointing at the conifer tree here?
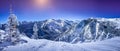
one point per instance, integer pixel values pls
(35, 30)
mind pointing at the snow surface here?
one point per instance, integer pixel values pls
(47, 45)
(2, 31)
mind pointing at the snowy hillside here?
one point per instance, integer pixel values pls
(46, 45)
(92, 30)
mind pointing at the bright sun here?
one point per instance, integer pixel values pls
(42, 3)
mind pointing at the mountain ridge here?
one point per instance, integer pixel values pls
(92, 29)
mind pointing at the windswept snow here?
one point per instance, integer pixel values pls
(46, 45)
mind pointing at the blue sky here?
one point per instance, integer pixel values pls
(36, 10)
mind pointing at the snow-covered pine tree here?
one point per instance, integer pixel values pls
(35, 29)
(11, 28)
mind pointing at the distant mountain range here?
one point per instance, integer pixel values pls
(88, 30)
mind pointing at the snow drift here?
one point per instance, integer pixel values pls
(46, 45)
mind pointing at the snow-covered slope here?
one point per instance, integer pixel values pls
(92, 30)
(2, 34)
(2, 31)
(46, 45)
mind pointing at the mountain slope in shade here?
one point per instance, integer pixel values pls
(46, 45)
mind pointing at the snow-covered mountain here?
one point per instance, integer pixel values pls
(102, 35)
(92, 29)
(54, 28)
(80, 31)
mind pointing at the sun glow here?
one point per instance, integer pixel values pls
(42, 3)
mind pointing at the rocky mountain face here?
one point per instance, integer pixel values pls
(74, 31)
(92, 30)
